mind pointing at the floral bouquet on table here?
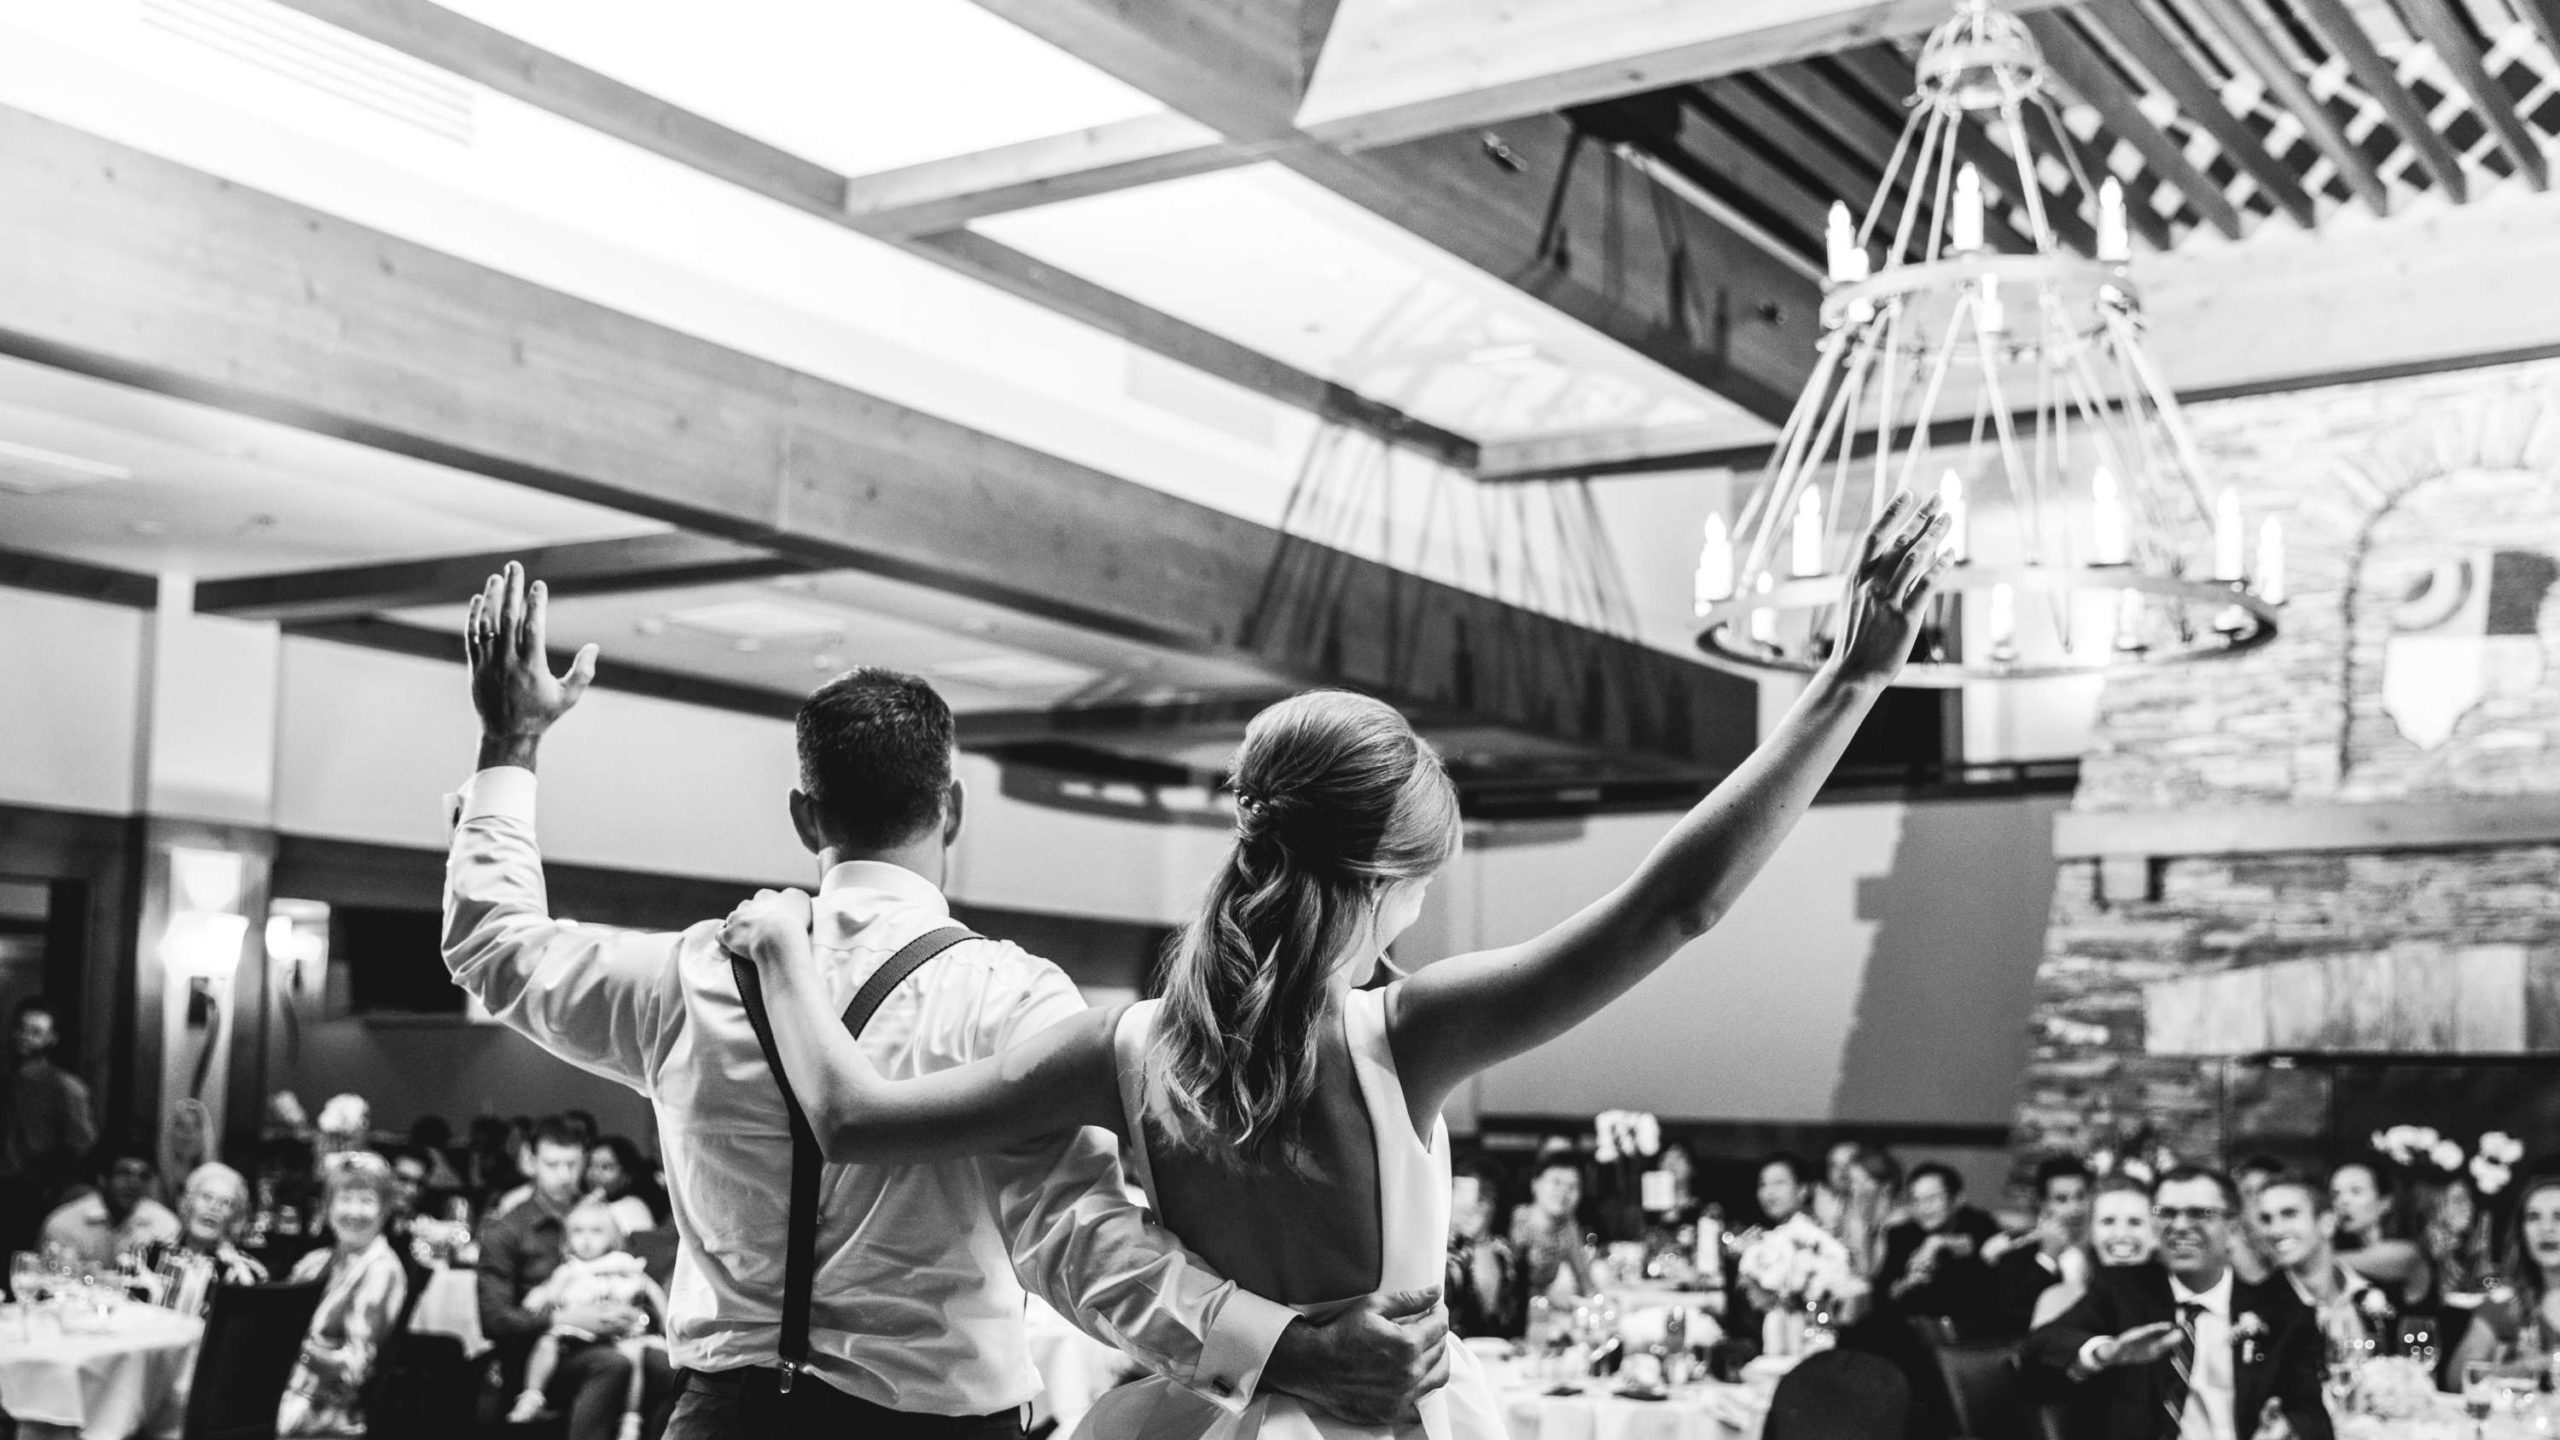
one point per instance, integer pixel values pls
(1800, 1276)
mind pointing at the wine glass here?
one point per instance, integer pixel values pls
(26, 1277)
(2478, 1398)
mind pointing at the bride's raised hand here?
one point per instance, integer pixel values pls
(1899, 563)
(772, 928)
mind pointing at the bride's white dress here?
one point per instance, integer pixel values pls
(1413, 1211)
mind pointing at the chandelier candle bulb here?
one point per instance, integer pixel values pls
(1951, 502)
(2112, 536)
(1808, 533)
(1764, 621)
(2004, 618)
(2230, 539)
(1848, 257)
(1994, 315)
(2115, 238)
(2271, 561)
(1964, 220)
(1715, 566)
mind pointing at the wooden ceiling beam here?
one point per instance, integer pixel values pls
(1123, 155)
(2380, 79)
(128, 267)
(2241, 30)
(592, 567)
(77, 579)
(2086, 73)
(2545, 15)
(512, 67)
(2132, 27)
(2451, 40)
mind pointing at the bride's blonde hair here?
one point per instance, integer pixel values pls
(1336, 799)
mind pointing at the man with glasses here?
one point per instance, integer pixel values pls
(2184, 1348)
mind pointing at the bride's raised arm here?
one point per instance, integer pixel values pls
(1056, 1080)
(1463, 1014)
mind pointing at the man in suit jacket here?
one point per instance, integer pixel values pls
(2033, 1263)
(2186, 1350)
(1933, 1263)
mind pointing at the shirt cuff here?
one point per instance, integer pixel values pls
(503, 791)
(2087, 1357)
(1237, 1347)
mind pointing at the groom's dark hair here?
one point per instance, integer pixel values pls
(875, 756)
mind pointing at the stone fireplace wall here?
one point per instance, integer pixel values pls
(2385, 490)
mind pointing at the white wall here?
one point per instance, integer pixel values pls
(1879, 970)
(70, 678)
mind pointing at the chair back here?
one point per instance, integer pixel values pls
(1839, 1395)
(252, 1336)
(1985, 1391)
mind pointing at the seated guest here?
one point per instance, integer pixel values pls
(2185, 1348)
(1872, 1208)
(362, 1289)
(2119, 1234)
(1555, 1255)
(1482, 1287)
(1783, 1188)
(616, 1176)
(118, 1216)
(212, 1212)
(2522, 1321)
(2250, 1254)
(2370, 1238)
(1933, 1261)
(489, 1166)
(2295, 1217)
(2029, 1267)
(2453, 1236)
(519, 1250)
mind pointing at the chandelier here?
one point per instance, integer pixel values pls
(2012, 383)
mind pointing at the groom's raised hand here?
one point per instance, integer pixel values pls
(511, 681)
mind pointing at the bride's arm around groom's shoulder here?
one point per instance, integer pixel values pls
(597, 998)
(1461, 1015)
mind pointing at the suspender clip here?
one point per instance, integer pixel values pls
(790, 1370)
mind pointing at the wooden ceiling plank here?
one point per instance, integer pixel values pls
(126, 266)
(2346, 36)
(77, 579)
(2352, 164)
(592, 567)
(2545, 15)
(2049, 136)
(512, 67)
(2446, 35)
(2198, 99)
(2086, 73)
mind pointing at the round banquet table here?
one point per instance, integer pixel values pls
(1706, 1411)
(129, 1379)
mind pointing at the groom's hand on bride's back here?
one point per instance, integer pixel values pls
(1370, 1365)
(512, 685)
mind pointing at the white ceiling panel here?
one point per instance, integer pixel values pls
(138, 481)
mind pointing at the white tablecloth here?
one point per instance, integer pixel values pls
(1075, 1369)
(130, 1380)
(1704, 1412)
(451, 1306)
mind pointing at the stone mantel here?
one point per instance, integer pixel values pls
(2484, 822)
(2407, 1000)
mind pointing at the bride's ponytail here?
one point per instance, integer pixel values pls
(1335, 798)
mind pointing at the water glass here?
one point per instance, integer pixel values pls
(26, 1277)
(2478, 1396)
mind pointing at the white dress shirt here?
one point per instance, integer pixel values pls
(917, 1303)
(2210, 1380)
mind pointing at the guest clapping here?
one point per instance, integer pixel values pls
(1482, 1288)
(1547, 1232)
(363, 1286)
(2119, 1235)
(1933, 1261)
(212, 1213)
(2371, 1240)
(2032, 1265)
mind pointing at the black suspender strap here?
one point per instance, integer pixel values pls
(800, 1260)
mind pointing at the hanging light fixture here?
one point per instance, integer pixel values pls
(2012, 384)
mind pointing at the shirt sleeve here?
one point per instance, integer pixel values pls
(502, 1313)
(1080, 1243)
(593, 997)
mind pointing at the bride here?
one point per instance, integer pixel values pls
(1284, 1121)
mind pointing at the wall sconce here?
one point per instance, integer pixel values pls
(203, 944)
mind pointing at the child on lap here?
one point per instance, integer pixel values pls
(597, 1271)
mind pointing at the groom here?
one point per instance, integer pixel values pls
(917, 1314)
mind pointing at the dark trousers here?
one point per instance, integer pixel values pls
(593, 1384)
(748, 1405)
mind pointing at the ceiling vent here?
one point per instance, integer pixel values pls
(320, 55)
(30, 470)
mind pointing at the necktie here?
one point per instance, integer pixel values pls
(2181, 1370)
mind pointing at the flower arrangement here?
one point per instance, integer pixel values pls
(2494, 1161)
(346, 1117)
(1626, 1135)
(2428, 1154)
(1800, 1265)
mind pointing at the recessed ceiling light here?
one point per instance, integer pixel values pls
(147, 528)
(759, 620)
(1518, 352)
(746, 644)
(33, 470)
(826, 661)
(1011, 672)
(650, 625)
(977, 625)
